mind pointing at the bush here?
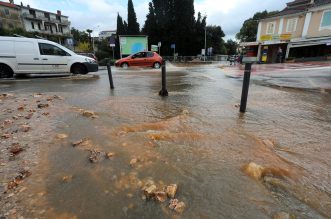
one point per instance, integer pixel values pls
(105, 61)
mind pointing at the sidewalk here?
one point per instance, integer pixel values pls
(308, 75)
(262, 69)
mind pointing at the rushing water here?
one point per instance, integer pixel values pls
(195, 138)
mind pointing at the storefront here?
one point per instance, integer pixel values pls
(309, 49)
(273, 48)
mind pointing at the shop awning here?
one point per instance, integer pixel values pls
(246, 44)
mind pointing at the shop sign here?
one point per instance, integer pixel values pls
(283, 37)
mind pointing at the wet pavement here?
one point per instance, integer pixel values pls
(195, 138)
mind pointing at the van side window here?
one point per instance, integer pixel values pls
(51, 50)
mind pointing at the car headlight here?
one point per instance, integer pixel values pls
(90, 60)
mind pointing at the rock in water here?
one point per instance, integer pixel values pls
(171, 190)
(173, 203)
(25, 128)
(180, 207)
(88, 113)
(161, 196)
(254, 170)
(149, 191)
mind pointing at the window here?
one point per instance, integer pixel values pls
(326, 20)
(39, 26)
(32, 25)
(140, 55)
(51, 50)
(291, 25)
(271, 27)
(6, 11)
(150, 54)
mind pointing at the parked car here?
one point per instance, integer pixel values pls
(20, 55)
(91, 55)
(141, 59)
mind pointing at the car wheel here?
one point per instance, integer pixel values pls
(125, 65)
(6, 72)
(79, 69)
(157, 65)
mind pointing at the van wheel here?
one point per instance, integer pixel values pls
(157, 65)
(78, 69)
(5, 71)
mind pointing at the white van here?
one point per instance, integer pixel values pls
(20, 55)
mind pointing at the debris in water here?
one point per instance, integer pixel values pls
(171, 190)
(83, 142)
(67, 179)
(8, 122)
(258, 172)
(58, 97)
(25, 128)
(161, 196)
(180, 207)
(5, 136)
(20, 108)
(134, 161)
(177, 206)
(43, 105)
(15, 149)
(61, 136)
(88, 114)
(37, 95)
(95, 156)
(254, 170)
(29, 116)
(110, 155)
(149, 191)
(173, 203)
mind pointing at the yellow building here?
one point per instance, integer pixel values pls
(300, 31)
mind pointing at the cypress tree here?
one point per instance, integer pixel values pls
(133, 26)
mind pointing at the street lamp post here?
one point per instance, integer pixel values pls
(93, 38)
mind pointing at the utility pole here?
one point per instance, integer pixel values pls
(205, 41)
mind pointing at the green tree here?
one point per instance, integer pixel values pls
(215, 40)
(133, 25)
(231, 47)
(248, 31)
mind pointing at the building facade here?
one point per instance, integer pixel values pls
(10, 16)
(302, 31)
(44, 22)
(106, 34)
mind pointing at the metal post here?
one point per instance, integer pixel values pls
(205, 42)
(110, 77)
(164, 92)
(244, 94)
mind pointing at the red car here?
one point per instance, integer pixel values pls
(141, 59)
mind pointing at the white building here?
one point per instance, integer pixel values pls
(46, 23)
(106, 34)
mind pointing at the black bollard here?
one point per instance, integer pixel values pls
(244, 94)
(164, 92)
(110, 77)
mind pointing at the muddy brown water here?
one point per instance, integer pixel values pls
(195, 138)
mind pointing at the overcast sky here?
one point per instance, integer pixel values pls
(101, 14)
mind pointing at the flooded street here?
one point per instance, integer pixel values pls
(274, 160)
